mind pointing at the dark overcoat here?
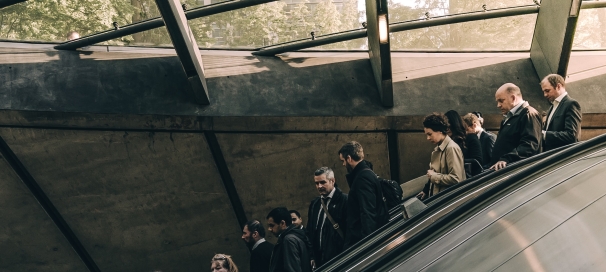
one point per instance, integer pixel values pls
(332, 243)
(520, 136)
(291, 252)
(366, 211)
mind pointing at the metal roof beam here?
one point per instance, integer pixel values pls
(157, 22)
(185, 44)
(400, 26)
(410, 25)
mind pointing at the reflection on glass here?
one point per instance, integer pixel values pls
(404, 10)
(56, 20)
(591, 29)
(357, 44)
(276, 22)
(509, 33)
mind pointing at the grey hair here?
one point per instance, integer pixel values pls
(325, 170)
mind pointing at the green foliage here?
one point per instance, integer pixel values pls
(287, 20)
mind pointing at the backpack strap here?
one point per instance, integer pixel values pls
(380, 187)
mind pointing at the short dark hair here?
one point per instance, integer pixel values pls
(352, 149)
(436, 122)
(295, 212)
(280, 214)
(255, 225)
(554, 79)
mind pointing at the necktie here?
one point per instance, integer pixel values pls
(322, 217)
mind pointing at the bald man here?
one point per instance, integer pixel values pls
(520, 134)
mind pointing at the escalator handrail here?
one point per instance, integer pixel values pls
(444, 197)
(431, 230)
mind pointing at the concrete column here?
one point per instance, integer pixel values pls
(378, 48)
(553, 35)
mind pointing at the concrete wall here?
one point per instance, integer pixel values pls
(120, 149)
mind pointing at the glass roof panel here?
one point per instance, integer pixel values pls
(357, 44)
(276, 22)
(509, 33)
(404, 10)
(591, 29)
(52, 21)
(147, 9)
(151, 38)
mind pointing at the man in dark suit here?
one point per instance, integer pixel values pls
(366, 211)
(253, 235)
(520, 133)
(487, 138)
(327, 239)
(563, 124)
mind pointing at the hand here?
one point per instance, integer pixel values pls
(421, 195)
(499, 165)
(430, 173)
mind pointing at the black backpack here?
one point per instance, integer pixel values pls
(391, 191)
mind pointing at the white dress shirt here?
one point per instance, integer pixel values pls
(556, 102)
(324, 219)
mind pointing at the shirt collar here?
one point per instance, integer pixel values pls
(258, 243)
(444, 143)
(480, 133)
(559, 99)
(513, 111)
(331, 193)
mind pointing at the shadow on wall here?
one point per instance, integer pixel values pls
(239, 85)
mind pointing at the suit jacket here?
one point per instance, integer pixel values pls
(487, 140)
(332, 243)
(447, 162)
(366, 211)
(473, 148)
(291, 252)
(519, 137)
(260, 257)
(565, 125)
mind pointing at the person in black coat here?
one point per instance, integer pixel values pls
(457, 131)
(366, 211)
(520, 133)
(292, 252)
(253, 235)
(325, 237)
(487, 138)
(563, 124)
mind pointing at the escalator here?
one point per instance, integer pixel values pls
(383, 250)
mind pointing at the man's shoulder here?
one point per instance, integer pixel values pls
(531, 111)
(264, 246)
(487, 134)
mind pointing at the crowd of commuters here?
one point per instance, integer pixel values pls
(336, 220)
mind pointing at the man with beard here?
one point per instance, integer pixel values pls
(326, 233)
(253, 235)
(291, 253)
(366, 211)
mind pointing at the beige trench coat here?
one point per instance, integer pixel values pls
(447, 162)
